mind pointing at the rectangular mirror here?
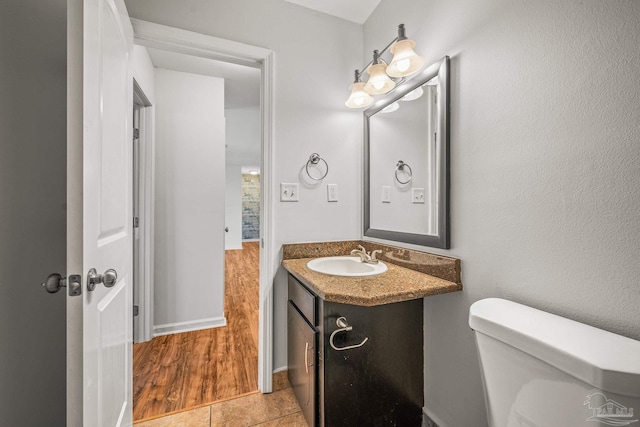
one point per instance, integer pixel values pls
(406, 161)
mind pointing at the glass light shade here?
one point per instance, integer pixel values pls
(378, 82)
(405, 61)
(414, 94)
(358, 98)
(390, 108)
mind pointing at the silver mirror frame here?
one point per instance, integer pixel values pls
(442, 238)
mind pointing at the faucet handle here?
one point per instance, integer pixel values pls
(373, 254)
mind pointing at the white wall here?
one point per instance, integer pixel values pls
(315, 55)
(243, 136)
(33, 73)
(545, 182)
(233, 207)
(143, 71)
(189, 210)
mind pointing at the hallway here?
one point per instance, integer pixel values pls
(180, 371)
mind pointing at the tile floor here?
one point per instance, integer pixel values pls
(277, 409)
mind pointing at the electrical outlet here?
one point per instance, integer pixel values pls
(386, 194)
(417, 195)
(288, 192)
(332, 192)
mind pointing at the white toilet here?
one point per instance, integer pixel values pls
(543, 370)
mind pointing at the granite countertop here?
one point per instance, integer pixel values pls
(395, 285)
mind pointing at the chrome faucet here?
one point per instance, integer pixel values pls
(369, 258)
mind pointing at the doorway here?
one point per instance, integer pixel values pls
(216, 343)
(143, 188)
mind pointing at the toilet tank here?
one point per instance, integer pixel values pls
(543, 370)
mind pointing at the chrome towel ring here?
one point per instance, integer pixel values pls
(314, 159)
(400, 166)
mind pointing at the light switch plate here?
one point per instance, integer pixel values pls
(417, 195)
(332, 192)
(386, 194)
(288, 192)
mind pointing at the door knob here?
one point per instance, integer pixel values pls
(55, 281)
(109, 278)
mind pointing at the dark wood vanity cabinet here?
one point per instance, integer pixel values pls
(302, 350)
(379, 383)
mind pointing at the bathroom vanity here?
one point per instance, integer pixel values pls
(356, 344)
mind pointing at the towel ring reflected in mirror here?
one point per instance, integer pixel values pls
(315, 159)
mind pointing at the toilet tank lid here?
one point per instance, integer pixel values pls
(607, 361)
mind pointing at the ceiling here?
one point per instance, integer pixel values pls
(241, 83)
(357, 11)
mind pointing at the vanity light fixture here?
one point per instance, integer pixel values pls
(404, 63)
(358, 98)
(378, 82)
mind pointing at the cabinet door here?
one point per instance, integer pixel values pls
(381, 383)
(302, 360)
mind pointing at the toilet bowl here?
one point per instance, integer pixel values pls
(543, 370)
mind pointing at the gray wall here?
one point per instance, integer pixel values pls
(545, 175)
(32, 211)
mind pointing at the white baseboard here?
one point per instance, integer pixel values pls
(191, 325)
(283, 368)
(432, 417)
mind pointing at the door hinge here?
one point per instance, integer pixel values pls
(136, 133)
(136, 222)
(136, 310)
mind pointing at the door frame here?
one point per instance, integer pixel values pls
(143, 269)
(172, 39)
(75, 11)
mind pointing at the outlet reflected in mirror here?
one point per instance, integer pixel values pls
(406, 161)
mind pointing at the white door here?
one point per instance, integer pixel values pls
(107, 212)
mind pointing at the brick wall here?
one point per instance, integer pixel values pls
(250, 207)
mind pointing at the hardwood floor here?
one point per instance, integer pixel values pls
(180, 371)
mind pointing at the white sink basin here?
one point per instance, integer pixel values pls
(345, 266)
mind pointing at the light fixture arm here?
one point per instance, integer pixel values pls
(380, 53)
(401, 33)
(376, 57)
(357, 76)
